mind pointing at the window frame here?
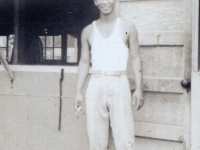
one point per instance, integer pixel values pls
(64, 51)
(7, 47)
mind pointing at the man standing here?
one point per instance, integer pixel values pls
(108, 99)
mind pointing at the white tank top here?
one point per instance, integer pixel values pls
(109, 54)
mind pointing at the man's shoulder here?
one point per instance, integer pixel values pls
(128, 25)
(87, 30)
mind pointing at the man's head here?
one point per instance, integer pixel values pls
(106, 7)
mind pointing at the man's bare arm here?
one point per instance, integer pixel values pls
(83, 68)
(136, 65)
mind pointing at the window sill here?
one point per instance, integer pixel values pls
(42, 68)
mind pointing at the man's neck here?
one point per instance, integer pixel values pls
(108, 18)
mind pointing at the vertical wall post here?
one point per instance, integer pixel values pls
(195, 92)
(16, 30)
(64, 48)
(195, 36)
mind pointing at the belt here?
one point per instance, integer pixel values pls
(108, 73)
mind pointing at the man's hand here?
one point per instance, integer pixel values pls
(77, 104)
(138, 99)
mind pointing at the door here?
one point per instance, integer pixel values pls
(164, 30)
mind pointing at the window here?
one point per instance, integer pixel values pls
(72, 49)
(51, 48)
(60, 49)
(7, 47)
(54, 50)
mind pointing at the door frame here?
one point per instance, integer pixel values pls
(195, 36)
(195, 80)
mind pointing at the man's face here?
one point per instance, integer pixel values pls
(105, 6)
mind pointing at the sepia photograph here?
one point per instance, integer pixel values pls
(99, 75)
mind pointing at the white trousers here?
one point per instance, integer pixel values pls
(108, 101)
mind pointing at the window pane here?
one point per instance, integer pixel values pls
(44, 53)
(49, 41)
(57, 53)
(57, 41)
(10, 47)
(3, 52)
(71, 41)
(3, 41)
(43, 40)
(72, 48)
(49, 52)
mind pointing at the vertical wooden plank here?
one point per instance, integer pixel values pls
(195, 34)
(79, 48)
(64, 47)
(195, 111)
(195, 103)
(188, 39)
(186, 119)
(186, 97)
(16, 30)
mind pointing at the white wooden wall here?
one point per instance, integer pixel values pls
(164, 30)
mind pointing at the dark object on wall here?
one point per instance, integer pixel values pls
(33, 49)
(60, 107)
(186, 83)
